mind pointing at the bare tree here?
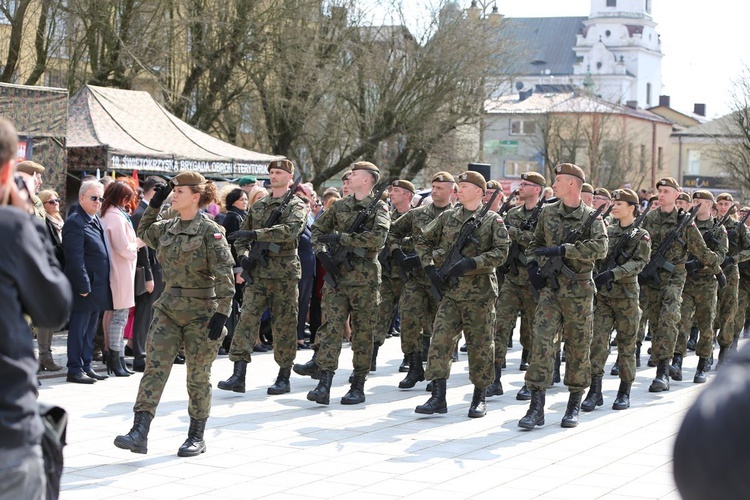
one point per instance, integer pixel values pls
(733, 143)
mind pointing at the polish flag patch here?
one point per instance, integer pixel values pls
(217, 236)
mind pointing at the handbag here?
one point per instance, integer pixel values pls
(140, 281)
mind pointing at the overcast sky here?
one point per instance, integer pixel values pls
(704, 43)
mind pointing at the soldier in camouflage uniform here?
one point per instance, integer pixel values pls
(663, 299)
(617, 300)
(192, 311)
(274, 287)
(470, 303)
(417, 306)
(356, 291)
(515, 292)
(743, 294)
(568, 310)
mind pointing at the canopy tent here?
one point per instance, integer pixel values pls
(123, 130)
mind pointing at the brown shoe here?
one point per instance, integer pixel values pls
(48, 364)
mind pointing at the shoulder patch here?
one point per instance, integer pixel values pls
(499, 219)
(218, 236)
(645, 237)
(692, 224)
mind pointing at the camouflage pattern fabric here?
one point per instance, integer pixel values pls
(390, 291)
(743, 302)
(729, 298)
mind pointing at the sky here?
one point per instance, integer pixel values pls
(704, 44)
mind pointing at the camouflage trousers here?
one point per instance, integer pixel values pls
(417, 309)
(642, 324)
(281, 296)
(743, 302)
(476, 317)
(169, 331)
(569, 312)
(390, 293)
(512, 299)
(623, 314)
(698, 308)
(663, 314)
(726, 308)
(361, 302)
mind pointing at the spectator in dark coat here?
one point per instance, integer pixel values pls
(307, 260)
(236, 203)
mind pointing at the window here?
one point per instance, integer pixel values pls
(648, 94)
(513, 168)
(693, 162)
(522, 127)
(611, 3)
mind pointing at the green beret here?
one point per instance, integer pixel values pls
(345, 175)
(534, 177)
(29, 167)
(602, 192)
(188, 179)
(725, 197)
(587, 188)
(443, 177)
(702, 194)
(248, 179)
(685, 197)
(474, 178)
(493, 184)
(365, 165)
(570, 169)
(285, 165)
(668, 182)
(627, 195)
(404, 185)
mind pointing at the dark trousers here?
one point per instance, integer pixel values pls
(81, 332)
(144, 315)
(305, 293)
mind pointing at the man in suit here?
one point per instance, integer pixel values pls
(87, 268)
(144, 303)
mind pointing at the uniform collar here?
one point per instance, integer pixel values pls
(192, 229)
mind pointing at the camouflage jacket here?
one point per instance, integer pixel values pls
(719, 248)
(196, 256)
(637, 254)
(515, 218)
(408, 245)
(339, 218)
(739, 242)
(283, 263)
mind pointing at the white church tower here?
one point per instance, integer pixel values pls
(618, 52)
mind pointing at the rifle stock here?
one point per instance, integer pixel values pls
(658, 261)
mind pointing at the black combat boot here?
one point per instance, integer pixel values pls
(236, 381)
(524, 360)
(594, 398)
(436, 403)
(356, 392)
(693, 338)
(194, 445)
(404, 367)
(114, 367)
(615, 371)
(638, 355)
(137, 439)
(281, 386)
(622, 401)
(496, 387)
(510, 341)
(700, 372)
(570, 419)
(556, 373)
(322, 393)
(524, 394)
(425, 348)
(309, 369)
(374, 360)
(723, 352)
(416, 372)
(535, 415)
(675, 371)
(661, 382)
(478, 406)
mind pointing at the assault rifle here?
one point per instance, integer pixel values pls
(259, 249)
(464, 237)
(514, 253)
(340, 255)
(711, 238)
(385, 263)
(554, 266)
(506, 206)
(619, 249)
(733, 233)
(658, 261)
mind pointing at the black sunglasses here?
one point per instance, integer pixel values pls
(52, 202)
(97, 198)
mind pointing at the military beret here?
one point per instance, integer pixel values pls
(188, 179)
(246, 180)
(570, 169)
(702, 194)
(587, 188)
(745, 209)
(443, 177)
(653, 199)
(602, 192)
(725, 197)
(493, 184)
(29, 167)
(534, 177)
(668, 182)
(404, 185)
(285, 165)
(627, 195)
(365, 165)
(474, 178)
(345, 175)
(685, 197)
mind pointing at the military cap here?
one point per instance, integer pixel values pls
(404, 185)
(534, 177)
(188, 179)
(668, 182)
(570, 169)
(702, 194)
(627, 195)
(443, 177)
(745, 209)
(493, 184)
(587, 188)
(474, 178)
(653, 199)
(602, 192)
(685, 197)
(345, 175)
(246, 180)
(30, 167)
(285, 165)
(365, 165)
(725, 197)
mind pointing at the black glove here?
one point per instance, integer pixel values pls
(462, 267)
(246, 263)
(325, 260)
(553, 251)
(161, 192)
(327, 239)
(405, 262)
(216, 326)
(721, 278)
(602, 279)
(243, 235)
(693, 265)
(537, 281)
(435, 277)
(728, 261)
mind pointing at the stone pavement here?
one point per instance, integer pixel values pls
(287, 447)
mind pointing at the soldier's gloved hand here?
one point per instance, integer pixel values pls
(435, 277)
(553, 251)
(728, 261)
(722, 279)
(325, 260)
(243, 235)
(536, 279)
(161, 192)
(602, 279)
(398, 257)
(462, 267)
(328, 239)
(692, 265)
(216, 325)
(246, 263)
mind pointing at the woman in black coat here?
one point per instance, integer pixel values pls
(236, 204)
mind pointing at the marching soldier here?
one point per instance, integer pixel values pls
(587, 194)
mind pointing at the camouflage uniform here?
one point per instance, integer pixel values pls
(728, 299)
(470, 305)
(357, 292)
(197, 265)
(743, 297)
(391, 287)
(274, 287)
(570, 309)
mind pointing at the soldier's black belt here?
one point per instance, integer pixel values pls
(283, 253)
(627, 280)
(195, 293)
(574, 276)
